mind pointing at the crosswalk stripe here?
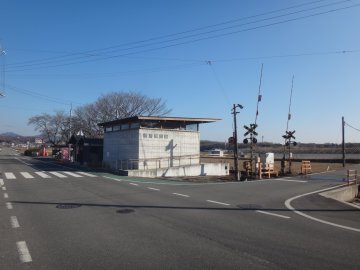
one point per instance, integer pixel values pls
(73, 174)
(58, 174)
(26, 175)
(43, 175)
(10, 175)
(86, 174)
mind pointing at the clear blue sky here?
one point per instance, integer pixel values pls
(89, 48)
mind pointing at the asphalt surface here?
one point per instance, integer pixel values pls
(57, 217)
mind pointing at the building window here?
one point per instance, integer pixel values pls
(124, 126)
(135, 125)
(116, 128)
(166, 136)
(108, 129)
(144, 135)
(150, 136)
(155, 136)
(161, 136)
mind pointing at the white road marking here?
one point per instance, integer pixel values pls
(23, 252)
(58, 174)
(288, 205)
(87, 174)
(43, 175)
(22, 160)
(14, 222)
(1, 182)
(218, 202)
(271, 214)
(112, 178)
(9, 205)
(6, 195)
(133, 184)
(154, 188)
(26, 175)
(10, 175)
(289, 180)
(182, 195)
(3, 188)
(73, 174)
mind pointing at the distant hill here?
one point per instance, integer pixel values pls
(12, 137)
(10, 134)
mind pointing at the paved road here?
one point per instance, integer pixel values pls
(56, 217)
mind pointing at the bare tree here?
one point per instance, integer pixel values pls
(55, 128)
(117, 105)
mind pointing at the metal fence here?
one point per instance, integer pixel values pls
(152, 163)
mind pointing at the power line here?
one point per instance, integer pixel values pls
(93, 52)
(350, 126)
(41, 96)
(48, 64)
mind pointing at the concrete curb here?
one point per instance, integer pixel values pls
(343, 194)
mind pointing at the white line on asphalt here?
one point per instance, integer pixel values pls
(182, 195)
(86, 174)
(154, 188)
(9, 205)
(73, 174)
(58, 174)
(133, 184)
(10, 175)
(288, 205)
(14, 222)
(271, 214)
(22, 161)
(289, 180)
(3, 188)
(112, 178)
(23, 252)
(218, 202)
(6, 195)
(26, 175)
(1, 182)
(43, 175)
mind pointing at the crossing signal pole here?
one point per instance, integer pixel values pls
(251, 129)
(343, 142)
(289, 135)
(234, 140)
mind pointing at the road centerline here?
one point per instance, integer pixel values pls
(14, 222)
(181, 195)
(24, 253)
(272, 214)
(216, 202)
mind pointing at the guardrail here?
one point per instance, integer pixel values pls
(351, 177)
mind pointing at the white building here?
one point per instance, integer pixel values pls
(156, 146)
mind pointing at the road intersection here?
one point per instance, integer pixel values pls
(58, 217)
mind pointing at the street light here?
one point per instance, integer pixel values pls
(235, 141)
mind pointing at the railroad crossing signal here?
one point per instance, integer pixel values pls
(250, 130)
(289, 135)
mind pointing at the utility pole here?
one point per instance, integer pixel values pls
(236, 166)
(343, 141)
(2, 58)
(70, 132)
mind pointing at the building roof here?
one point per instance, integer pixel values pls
(188, 120)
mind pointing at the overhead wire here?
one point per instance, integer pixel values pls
(47, 65)
(41, 96)
(350, 126)
(94, 51)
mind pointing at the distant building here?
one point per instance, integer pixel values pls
(86, 151)
(155, 144)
